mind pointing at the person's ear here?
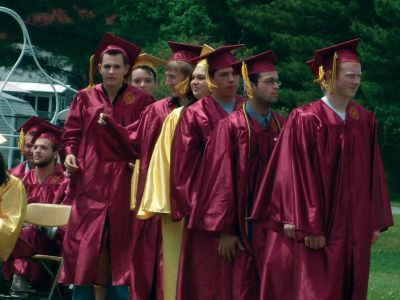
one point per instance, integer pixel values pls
(99, 67)
(126, 69)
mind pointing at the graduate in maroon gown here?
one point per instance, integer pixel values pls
(141, 138)
(324, 193)
(236, 153)
(26, 132)
(98, 235)
(196, 278)
(46, 183)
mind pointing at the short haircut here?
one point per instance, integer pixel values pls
(184, 67)
(254, 78)
(114, 53)
(149, 70)
(211, 72)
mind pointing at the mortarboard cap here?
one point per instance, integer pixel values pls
(151, 61)
(48, 131)
(30, 126)
(262, 62)
(220, 58)
(2, 139)
(183, 52)
(205, 50)
(109, 43)
(326, 59)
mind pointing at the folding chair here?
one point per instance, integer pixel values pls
(47, 215)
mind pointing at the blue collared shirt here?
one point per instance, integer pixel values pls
(228, 107)
(259, 117)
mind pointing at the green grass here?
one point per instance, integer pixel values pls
(384, 279)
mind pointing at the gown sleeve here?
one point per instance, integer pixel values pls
(289, 191)
(381, 211)
(156, 195)
(73, 127)
(185, 158)
(12, 215)
(215, 210)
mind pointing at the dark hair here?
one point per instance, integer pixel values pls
(149, 70)
(211, 72)
(254, 78)
(113, 53)
(4, 176)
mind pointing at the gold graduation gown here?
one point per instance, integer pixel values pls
(12, 214)
(156, 200)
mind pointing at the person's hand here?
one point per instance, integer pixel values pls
(375, 236)
(70, 164)
(102, 119)
(131, 165)
(315, 242)
(227, 246)
(289, 231)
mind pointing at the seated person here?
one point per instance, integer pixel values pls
(46, 183)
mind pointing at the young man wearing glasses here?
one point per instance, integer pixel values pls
(237, 151)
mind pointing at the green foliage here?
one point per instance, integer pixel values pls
(385, 264)
(292, 28)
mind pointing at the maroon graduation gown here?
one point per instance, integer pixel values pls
(101, 188)
(19, 170)
(138, 141)
(192, 132)
(326, 178)
(31, 241)
(233, 163)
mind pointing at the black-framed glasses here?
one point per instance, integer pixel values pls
(271, 81)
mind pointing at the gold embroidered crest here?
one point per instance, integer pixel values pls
(55, 180)
(354, 113)
(128, 98)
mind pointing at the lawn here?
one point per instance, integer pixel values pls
(384, 279)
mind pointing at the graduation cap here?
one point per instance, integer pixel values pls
(218, 59)
(46, 130)
(2, 139)
(262, 62)
(310, 64)
(183, 52)
(204, 50)
(30, 126)
(113, 43)
(326, 60)
(151, 61)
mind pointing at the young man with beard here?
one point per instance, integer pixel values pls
(196, 279)
(324, 193)
(98, 235)
(236, 153)
(44, 184)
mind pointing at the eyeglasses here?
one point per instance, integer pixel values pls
(271, 81)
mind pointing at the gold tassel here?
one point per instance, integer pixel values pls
(21, 141)
(91, 72)
(211, 86)
(246, 81)
(182, 87)
(321, 78)
(333, 75)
